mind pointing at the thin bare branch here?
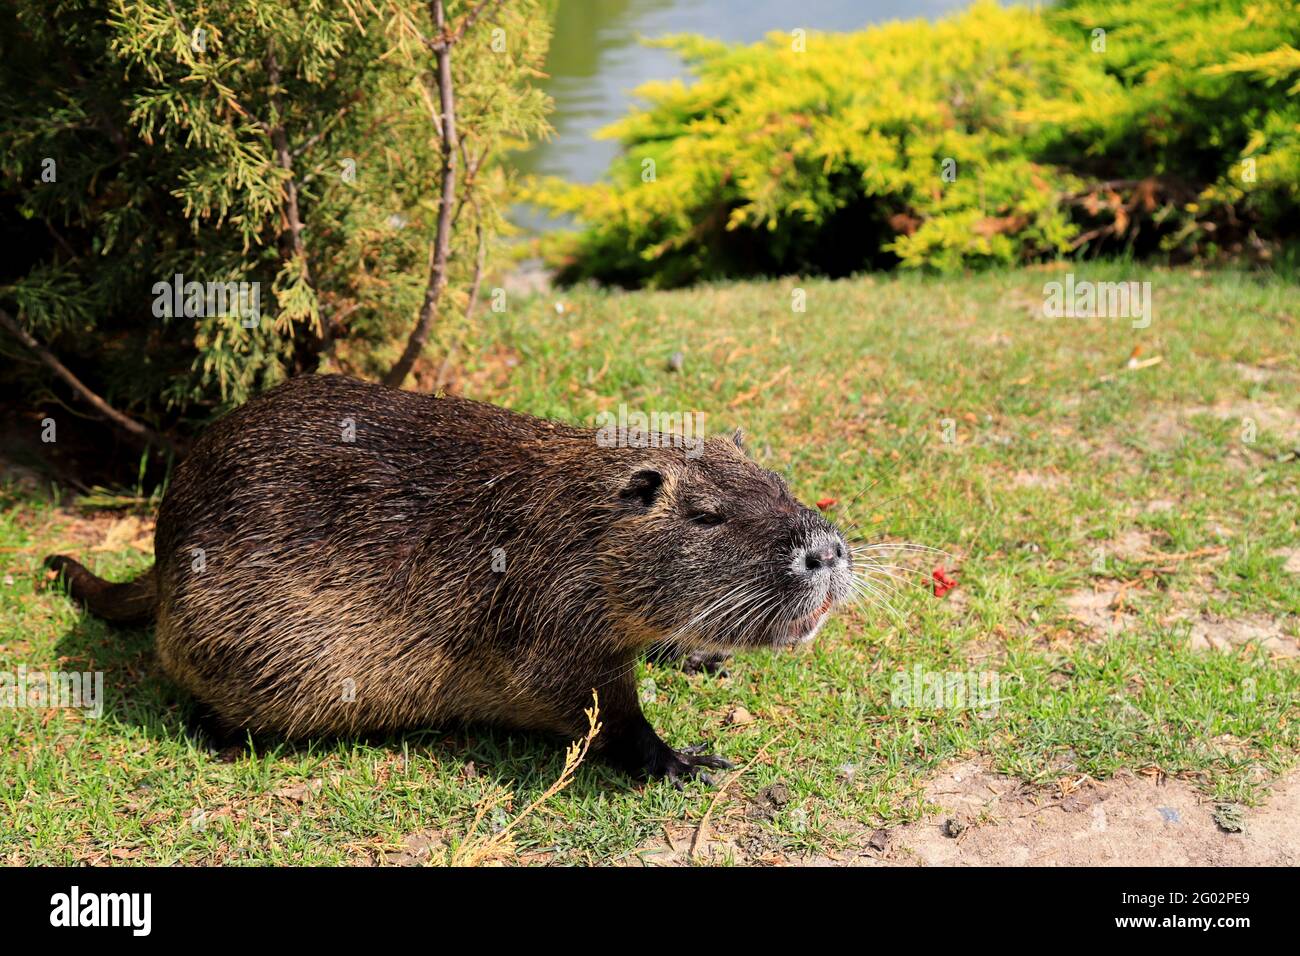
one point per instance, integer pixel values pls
(446, 207)
(129, 425)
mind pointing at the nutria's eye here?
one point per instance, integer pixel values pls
(706, 518)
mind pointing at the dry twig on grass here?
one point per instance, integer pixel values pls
(474, 851)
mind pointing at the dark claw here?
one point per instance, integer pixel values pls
(696, 755)
(717, 763)
(686, 764)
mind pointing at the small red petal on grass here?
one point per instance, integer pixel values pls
(825, 503)
(942, 582)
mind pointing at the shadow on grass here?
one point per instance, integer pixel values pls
(137, 693)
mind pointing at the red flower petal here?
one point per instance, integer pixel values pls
(942, 582)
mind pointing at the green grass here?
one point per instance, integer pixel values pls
(1059, 453)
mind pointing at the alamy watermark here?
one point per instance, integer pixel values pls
(50, 689)
(923, 689)
(194, 300)
(1098, 300)
(133, 911)
(626, 429)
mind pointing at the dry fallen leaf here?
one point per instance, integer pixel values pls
(120, 534)
(300, 792)
(739, 717)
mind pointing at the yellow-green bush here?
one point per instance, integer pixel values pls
(995, 136)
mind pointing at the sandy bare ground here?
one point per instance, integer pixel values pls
(1130, 820)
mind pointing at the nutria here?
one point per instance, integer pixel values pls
(336, 557)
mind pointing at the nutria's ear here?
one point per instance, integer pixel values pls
(738, 439)
(643, 487)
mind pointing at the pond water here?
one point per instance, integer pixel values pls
(596, 58)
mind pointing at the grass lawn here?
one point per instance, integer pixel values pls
(1125, 542)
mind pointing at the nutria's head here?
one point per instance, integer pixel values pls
(709, 550)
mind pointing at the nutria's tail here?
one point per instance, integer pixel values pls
(132, 602)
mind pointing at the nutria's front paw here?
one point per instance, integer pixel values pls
(678, 766)
(706, 662)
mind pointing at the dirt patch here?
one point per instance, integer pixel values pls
(1188, 604)
(1035, 479)
(674, 849)
(1133, 544)
(737, 834)
(1103, 610)
(1266, 371)
(417, 849)
(1166, 428)
(1224, 634)
(956, 601)
(1097, 609)
(1290, 558)
(985, 819)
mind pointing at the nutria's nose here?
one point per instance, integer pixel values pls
(823, 554)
